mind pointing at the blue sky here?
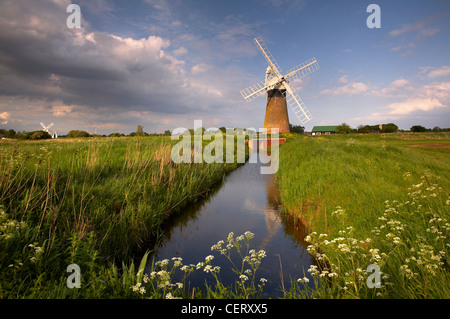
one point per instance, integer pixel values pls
(164, 64)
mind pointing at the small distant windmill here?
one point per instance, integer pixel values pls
(47, 129)
(277, 85)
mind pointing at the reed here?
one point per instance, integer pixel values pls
(370, 200)
(98, 199)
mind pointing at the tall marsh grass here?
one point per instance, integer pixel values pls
(369, 200)
(91, 202)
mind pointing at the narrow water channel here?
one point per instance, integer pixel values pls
(245, 201)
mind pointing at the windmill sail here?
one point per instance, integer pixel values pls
(303, 69)
(46, 128)
(265, 51)
(297, 106)
(254, 91)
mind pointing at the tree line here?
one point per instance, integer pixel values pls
(344, 128)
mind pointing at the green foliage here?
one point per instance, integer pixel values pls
(385, 128)
(139, 131)
(370, 200)
(77, 133)
(389, 128)
(37, 135)
(344, 128)
(296, 128)
(90, 203)
(10, 133)
(116, 134)
(418, 128)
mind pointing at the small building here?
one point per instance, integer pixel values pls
(320, 130)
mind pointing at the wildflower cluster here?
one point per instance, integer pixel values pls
(36, 252)
(345, 269)
(391, 226)
(250, 257)
(408, 242)
(9, 227)
(160, 283)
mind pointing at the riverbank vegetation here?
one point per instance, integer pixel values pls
(377, 207)
(92, 202)
(378, 210)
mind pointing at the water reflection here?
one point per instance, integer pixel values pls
(245, 200)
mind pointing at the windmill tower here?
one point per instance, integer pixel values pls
(47, 129)
(277, 86)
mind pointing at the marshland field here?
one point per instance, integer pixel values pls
(374, 199)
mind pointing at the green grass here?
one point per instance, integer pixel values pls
(93, 202)
(371, 199)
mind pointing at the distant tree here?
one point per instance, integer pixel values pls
(38, 135)
(139, 130)
(10, 133)
(167, 132)
(223, 129)
(116, 134)
(296, 128)
(2, 132)
(77, 133)
(20, 135)
(437, 129)
(389, 128)
(418, 128)
(344, 128)
(364, 129)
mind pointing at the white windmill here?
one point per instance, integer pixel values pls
(277, 86)
(47, 129)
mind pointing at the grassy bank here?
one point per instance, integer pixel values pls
(373, 199)
(91, 202)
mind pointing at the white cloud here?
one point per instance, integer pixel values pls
(400, 83)
(414, 104)
(52, 71)
(415, 33)
(425, 33)
(440, 72)
(180, 51)
(397, 88)
(407, 28)
(353, 88)
(4, 116)
(200, 68)
(343, 79)
(62, 110)
(424, 99)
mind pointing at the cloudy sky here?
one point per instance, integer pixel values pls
(163, 64)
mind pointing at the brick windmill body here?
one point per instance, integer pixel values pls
(276, 108)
